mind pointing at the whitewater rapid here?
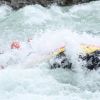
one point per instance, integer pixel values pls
(27, 74)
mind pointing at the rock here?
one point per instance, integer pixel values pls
(16, 4)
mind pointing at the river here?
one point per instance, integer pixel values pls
(27, 75)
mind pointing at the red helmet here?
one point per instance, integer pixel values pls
(15, 45)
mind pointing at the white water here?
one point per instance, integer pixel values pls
(27, 75)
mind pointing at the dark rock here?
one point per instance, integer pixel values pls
(16, 4)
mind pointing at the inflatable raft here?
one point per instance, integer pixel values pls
(59, 59)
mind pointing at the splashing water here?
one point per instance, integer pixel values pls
(27, 75)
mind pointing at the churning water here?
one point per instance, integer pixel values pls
(27, 75)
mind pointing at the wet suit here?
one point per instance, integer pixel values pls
(92, 60)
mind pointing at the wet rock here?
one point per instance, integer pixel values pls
(16, 4)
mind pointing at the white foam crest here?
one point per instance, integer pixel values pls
(87, 7)
(36, 14)
(4, 11)
(56, 39)
(80, 7)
